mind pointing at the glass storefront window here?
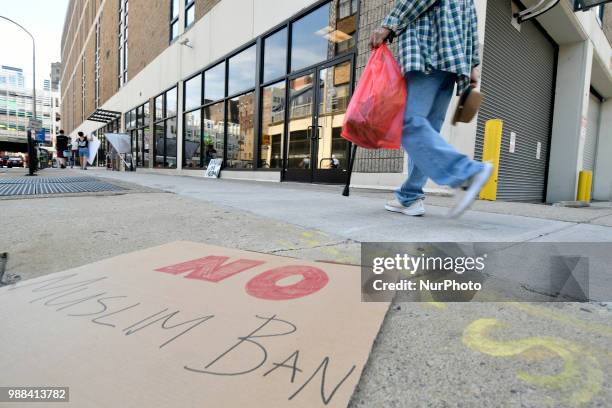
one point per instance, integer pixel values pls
(193, 92)
(171, 102)
(322, 35)
(139, 145)
(159, 107)
(171, 143)
(134, 140)
(272, 126)
(160, 147)
(242, 68)
(301, 104)
(146, 146)
(214, 83)
(275, 55)
(147, 114)
(241, 131)
(193, 140)
(308, 43)
(137, 121)
(213, 128)
(333, 95)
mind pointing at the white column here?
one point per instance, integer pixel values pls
(570, 120)
(602, 178)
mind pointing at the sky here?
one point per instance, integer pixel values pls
(45, 20)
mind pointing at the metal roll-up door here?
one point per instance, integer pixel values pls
(518, 80)
(590, 142)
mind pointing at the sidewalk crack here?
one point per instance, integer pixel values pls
(330, 244)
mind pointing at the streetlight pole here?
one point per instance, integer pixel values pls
(32, 159)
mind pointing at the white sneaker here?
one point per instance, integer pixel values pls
(415, 209)
(476, 184)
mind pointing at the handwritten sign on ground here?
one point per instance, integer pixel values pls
(189, 324)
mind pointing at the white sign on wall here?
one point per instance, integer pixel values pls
(512, 142)
(539, 151)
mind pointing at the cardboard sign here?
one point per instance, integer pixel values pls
(189, 324)
(214, 168)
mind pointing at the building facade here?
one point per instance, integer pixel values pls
(16, 109)
(268, 91)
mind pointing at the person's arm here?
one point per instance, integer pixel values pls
(403, 13)
(475, 47)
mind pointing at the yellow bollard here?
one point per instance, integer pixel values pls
(491, 153)
(585, 185)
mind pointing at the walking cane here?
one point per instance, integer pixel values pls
(347, 187)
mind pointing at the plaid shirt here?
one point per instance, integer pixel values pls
(436, 35)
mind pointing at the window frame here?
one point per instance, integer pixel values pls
(227, 76)
(600, 14)
(189, 4)
(185, 81)
(262, 78)
(163, 121)
(135, 121)
(122, 62)
(174, 20)
(184, 160)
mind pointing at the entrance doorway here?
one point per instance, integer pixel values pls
(317, 102)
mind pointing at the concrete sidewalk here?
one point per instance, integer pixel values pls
(362, 217)
(426, 354)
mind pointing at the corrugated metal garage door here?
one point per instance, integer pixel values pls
(518, 84)
(590, 144)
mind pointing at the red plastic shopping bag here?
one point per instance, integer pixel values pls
(375, 115)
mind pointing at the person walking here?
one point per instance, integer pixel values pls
(438, 49)
(83, 144)
(74, 152)
(61, 145)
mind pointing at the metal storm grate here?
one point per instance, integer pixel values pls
(53, 185)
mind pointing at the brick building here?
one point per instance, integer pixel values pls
(264, 85)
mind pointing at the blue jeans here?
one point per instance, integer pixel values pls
(429, 155)
(83, 152)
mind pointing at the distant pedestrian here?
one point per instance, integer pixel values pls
(61, 146)
(83, 144)
(335, 163)
(74, 152)
(438, 48)
(209, 154)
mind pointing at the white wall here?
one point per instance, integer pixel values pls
(602, 179)
(569, 121)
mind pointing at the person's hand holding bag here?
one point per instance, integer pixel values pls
(379, 36)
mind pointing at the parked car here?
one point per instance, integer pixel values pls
(4, 161)
(15, 161)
